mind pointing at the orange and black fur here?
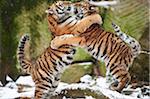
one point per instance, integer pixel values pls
(106, 46)
(117, 50)
(65, 17)
(102, 45)
(47, 68)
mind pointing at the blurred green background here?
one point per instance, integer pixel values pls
(28, 16)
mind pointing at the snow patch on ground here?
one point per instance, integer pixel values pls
(25, 80)
(97, 85)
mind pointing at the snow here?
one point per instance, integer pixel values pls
(25, 80)
(87, 79)
(8, 93)
(1, 83)
(104, 4)
(11, 85)
(97, 85)
(8, 78)
(89, 97)
(85, 63)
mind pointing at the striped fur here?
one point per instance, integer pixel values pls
(117, 50)
(106, 46)
(65, 17)
(133, 43)
(47, 69)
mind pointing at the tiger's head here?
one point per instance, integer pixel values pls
(65, 17)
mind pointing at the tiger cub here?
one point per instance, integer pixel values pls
(117, 50)
(47, 68)
(65, 17)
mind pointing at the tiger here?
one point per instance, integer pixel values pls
(117, 50)
(65, 17)
(105, 46)
(47, 68)
(86, 33)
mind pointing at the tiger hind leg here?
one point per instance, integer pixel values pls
(122, 77)
(51, 92)
(46, 86)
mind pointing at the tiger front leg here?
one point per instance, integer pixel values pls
(42, 90)
(69, 39)
(122, 77)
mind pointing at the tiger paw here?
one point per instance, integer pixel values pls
(60, 40)
(114, 87)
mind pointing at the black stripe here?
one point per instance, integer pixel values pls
(98, 50)
(115, 72)
(21, 53)
(46, 85)
(70, 22)
(72, 25)
(52, 59)
(57, 79)
(42, 87)
(115, 53)
(121, 76)
(104, 52)
(60, 63)
(54, 86)
(21, 50)
(69, 58)
(66, 63)
(21, 47)
(101, 36)
(59, 12)
(91, 41)
(40, 65)
(112, 67)
(64, 52)
(58, 7)
(63, 20)
(47, 64)
(89, 49)
(60, 58)
(94, 45)
(73, 51)
(55, 68)
(22, 42)
(106, 46)
(45, 79)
